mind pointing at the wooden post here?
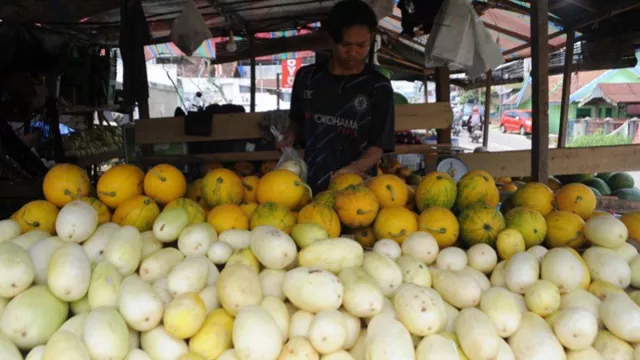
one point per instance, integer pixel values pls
(253, 73)
(443, 94)
(540, 90)
(566, 89)
(487, 111)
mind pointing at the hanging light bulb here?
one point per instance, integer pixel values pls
(231, 45)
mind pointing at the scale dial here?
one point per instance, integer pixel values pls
(453, 166)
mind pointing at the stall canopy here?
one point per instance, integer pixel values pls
(597, 23)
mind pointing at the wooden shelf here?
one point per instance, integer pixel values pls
(85, 109)
(246, 126)
(84, 161)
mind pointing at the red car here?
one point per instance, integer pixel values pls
(516, 121)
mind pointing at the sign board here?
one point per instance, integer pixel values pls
(289, 69)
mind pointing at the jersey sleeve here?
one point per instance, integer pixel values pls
(383, 117)
(296, 109)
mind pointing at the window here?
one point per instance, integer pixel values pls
(583, 113)
(525, 115)
(608, 112)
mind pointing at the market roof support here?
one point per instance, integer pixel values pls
(487, 111)
(443, 94)
(566, 89)
(253, 73)
(540, 90)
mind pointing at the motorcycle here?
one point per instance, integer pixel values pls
(476, 134)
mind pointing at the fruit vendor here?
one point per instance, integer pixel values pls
(342, 110)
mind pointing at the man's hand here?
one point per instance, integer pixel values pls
(288, 138)
(352, 169)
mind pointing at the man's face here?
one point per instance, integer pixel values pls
(354, 48)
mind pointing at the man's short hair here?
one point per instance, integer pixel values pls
(348, 13)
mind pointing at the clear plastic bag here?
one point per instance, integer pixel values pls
(290, 159)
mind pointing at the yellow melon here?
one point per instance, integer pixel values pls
(196, 213)
(194, 192)
(250, 185)
(37, 215)
(441, 223)
(281, 187)
(164, 183)
(305, 199)
(436, 189)
(357, 206)
(65, 183)
(120, 183)
(395, 223)
(576, 198)
(139, 211)
(564, 229)
(480, 224)
(249, 208)
(475, 187)
(226, 217)
(530, 223)
(536, 196)
(632, 222)
(222, 186)
(322, 215)
(276, 215)
(340, 182)
(327, 197)
(365, 236)
(390, 190)
(104, 215)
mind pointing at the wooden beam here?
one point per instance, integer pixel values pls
(561, 161)
(502, 30)
(540, 89)
(443, 94)
(566, 89)
(487, 111)
(246, 126)
(253, 73)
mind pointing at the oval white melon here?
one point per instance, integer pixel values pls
(29, 238)
(606, 231)
(522, 270)
(256, 335)
(162, 346)
(477, 334)
(159, 264)
(328, 331)
(279, 312)
(414, 271)
(237, 239)
(576, 328)
(332, 254)
(626, 251)
(534, 340)
(76, 221)
(497, 278)
(32, 317)
(299, 324)
(388, 248)
(612, 347)
(353, 329)
(538, 252)
(161, 288)
(621, 316)
(76, 324)
(457, 289)
(40, 254)
(184, 315)
(422, 245)
(605, 264)
(16, 268)
(69, 272)
(274, 248)
(149, 243)
(587, 354)
(420, 310)
(106, 334)
(393, 343)
(65, 345)
(137, 354)
(196, 239)
(97, 243)
(9, 229)
(272, 281)
(452, 258)
(104, 288)
(298, 348)
(503, 309)
(209, 296)
(327, 294)
(386, 273)
(189, 275)
(482, 257)
(562, 268)
(436, 347)
(634, 266)
(238, 286)
(139, 304)
(479, 277)
(170, 223)
(219, 252)
(124, 250)
(306, 234)
(35, 353)
(542, 298)
(80, 306)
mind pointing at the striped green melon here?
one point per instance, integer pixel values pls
(477, 186)
(530, 223)
(436, 189)
(480, 223)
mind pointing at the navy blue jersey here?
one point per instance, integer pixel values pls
(339, 118)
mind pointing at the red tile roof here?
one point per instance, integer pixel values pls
(578, 81)
(627, 93)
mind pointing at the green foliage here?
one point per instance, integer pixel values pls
(599, 139)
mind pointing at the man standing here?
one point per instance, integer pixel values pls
(342, 110)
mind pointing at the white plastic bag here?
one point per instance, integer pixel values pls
(189, 29)
(290, 159)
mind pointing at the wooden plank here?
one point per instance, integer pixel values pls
(487, 111)
(561, 161)
(618, 206)
(443, 94)
(540, 89)
(566, 89)
(245, 126)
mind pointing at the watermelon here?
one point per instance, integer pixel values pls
(620, 180)
(604, 176)
(628, 194)
(596, 192)
(599, 185)
(567, 179)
